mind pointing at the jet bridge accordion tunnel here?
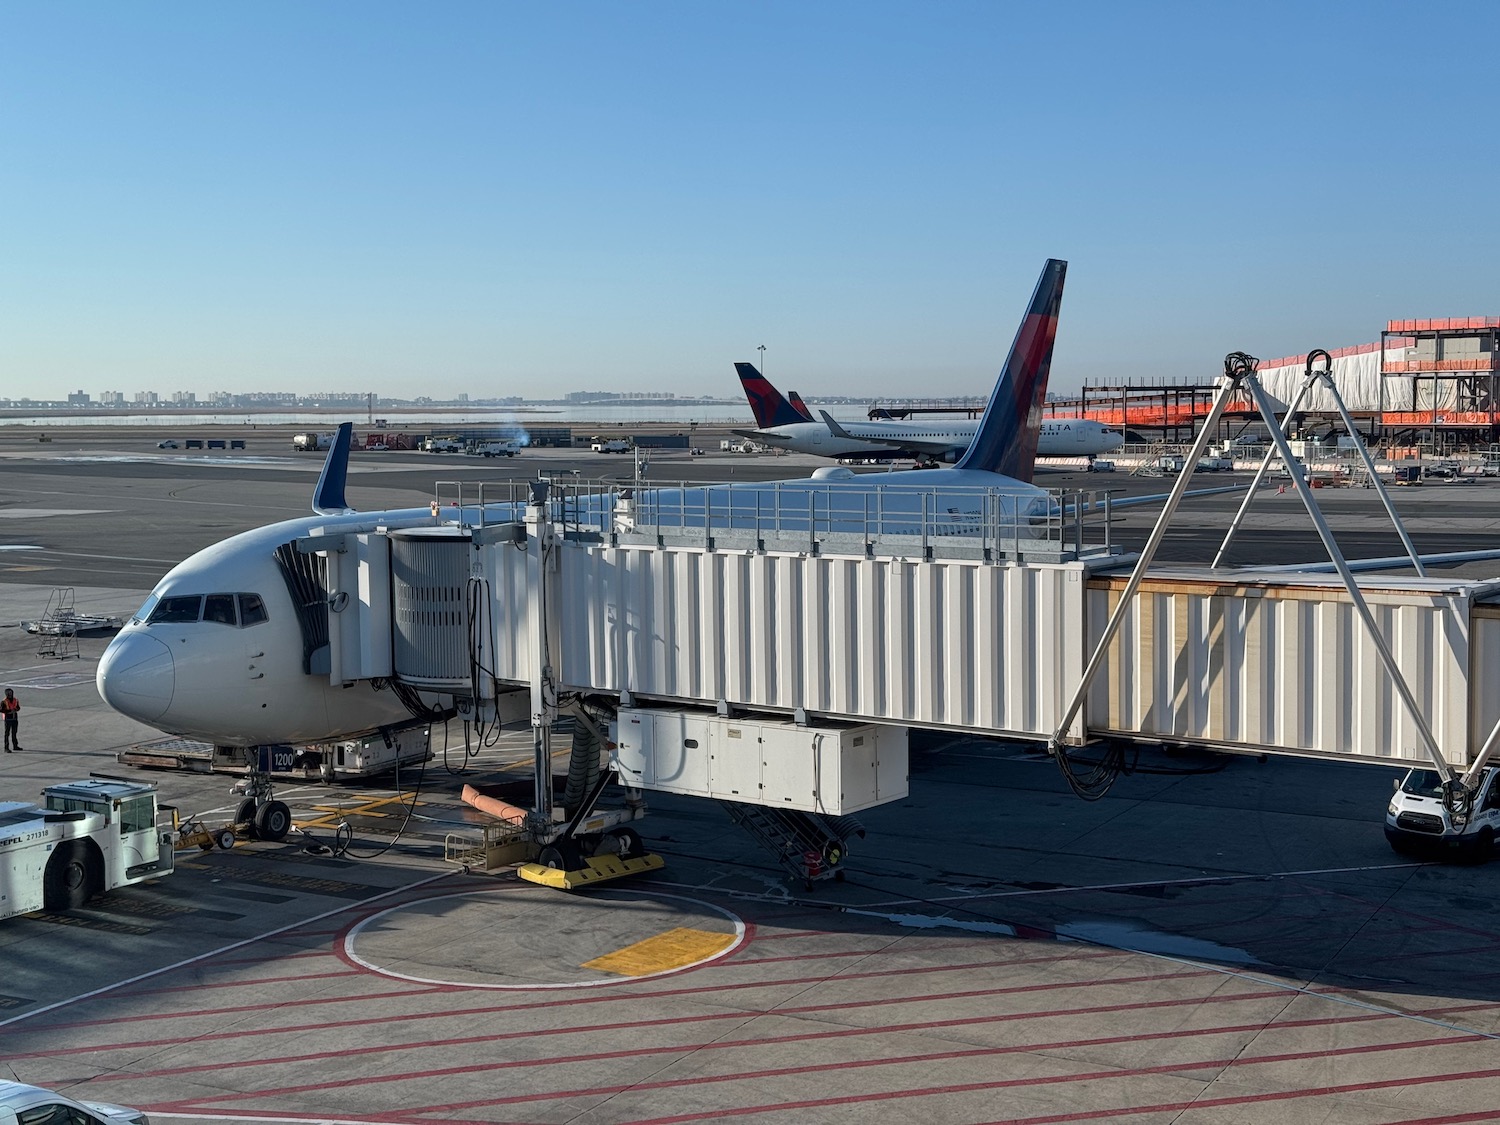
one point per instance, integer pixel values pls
(1240, 660)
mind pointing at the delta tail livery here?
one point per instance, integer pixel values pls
(233, 645)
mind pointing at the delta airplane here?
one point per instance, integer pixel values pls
(231, 647)
(789, 425)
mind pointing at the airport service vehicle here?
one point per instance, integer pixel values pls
(312, 443)
(1100, 465)
(1213, 463)
(497, 449)
(442, 445)
(167, 444)
(31, 1105)
(86, 838)
(1417, 821)
(615, 445)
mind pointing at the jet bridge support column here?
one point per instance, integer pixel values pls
(541, 550)
(1240, 375)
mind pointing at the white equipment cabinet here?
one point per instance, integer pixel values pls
(835, 769)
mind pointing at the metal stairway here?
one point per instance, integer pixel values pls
(810, 846)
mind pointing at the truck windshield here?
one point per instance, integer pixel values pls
(1423, 783)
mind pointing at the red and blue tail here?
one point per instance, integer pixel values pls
(766, 403)
(1005, 442)
(799, 406)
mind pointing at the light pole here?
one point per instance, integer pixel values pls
(762, 350)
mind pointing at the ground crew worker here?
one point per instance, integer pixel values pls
(10, 709)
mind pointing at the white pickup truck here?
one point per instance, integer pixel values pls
(86, 838)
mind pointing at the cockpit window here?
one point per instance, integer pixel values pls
(177, 610)
(252, 610)
(219, 608)
(144, 613)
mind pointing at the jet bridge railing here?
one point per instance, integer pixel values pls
(797, 514)
(991, 523)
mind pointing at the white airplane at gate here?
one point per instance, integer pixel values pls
(232, 646)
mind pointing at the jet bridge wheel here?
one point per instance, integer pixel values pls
(623, 842)
(562, 855)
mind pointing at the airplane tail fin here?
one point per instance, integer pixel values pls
(328, 497)
(769, 407)
(1005, 442)
(799, 406)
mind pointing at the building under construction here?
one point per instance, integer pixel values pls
(1433, 383)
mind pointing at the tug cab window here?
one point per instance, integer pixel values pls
(252, 610)
(176, 611)
(219, 608)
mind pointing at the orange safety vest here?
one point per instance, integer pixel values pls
(10, 706)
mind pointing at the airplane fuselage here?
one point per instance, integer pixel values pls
(1064, 437)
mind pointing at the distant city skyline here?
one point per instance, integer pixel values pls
(509, 199)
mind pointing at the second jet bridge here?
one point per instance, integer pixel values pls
(932, 632)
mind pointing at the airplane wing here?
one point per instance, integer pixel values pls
(1153, 498)
(762, 435)
(913, 445)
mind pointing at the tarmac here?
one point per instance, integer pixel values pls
(1221, 939)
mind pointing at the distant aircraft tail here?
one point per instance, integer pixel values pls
(769, 407)
(1005, 442)
(799, 406)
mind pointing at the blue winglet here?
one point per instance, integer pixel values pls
(328, 497)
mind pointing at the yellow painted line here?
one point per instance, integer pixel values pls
(671, 950)
(334, 813)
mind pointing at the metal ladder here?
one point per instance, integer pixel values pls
(810, 846)
(57, 629)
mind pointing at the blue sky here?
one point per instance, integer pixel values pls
(506, 198)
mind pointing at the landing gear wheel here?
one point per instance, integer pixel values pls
(625, 843)
(273, 820)
(561, 856)
(245, 815)
(69, 879)
(224, 837)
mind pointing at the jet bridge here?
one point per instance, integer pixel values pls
(780, 614)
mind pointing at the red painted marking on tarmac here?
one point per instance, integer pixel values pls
(354, 998)
(1248, 1099)
(1451, 1118)
(1076, 953)
(251, 983)
(1263, 1026)
(262, 958)
(1232, 1063)
(632, 1025)
(471, 1068)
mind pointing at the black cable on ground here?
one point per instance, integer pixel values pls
(410, 808)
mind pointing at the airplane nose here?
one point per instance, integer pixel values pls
(137, 676)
